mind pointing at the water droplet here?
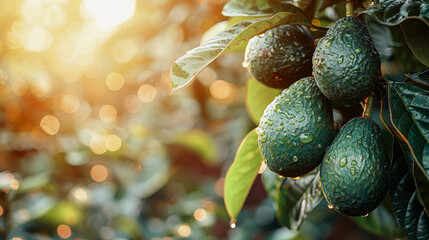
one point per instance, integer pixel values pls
(280, 128)
(319, 71)
(264, 139)
(354, 162)
(330, 206)
(289, 115)
(287, 99)
(319, 145)
(262, 35)
(306, 137)
(340, 60)
(343, 161)
(301, 119)
(353, 170)
(232, 223)
(328, 44)
(352, 57)
(295, 158)
(277, 107)
(366, 215)
(270, 123)
(245, 64)
(358, 50)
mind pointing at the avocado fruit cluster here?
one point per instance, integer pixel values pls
(295, 129)
(346, 64)
(296, 132)
(281, 56)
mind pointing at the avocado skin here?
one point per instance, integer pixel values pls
(346, 64)
(281, 57)
(354, 171)
(295, 129)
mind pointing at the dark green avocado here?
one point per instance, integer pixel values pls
(295, 129)
(354, 171)
(281, 56)
(346, 64)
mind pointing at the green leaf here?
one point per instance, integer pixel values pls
(381, 222)
(416, 34)
(271, 181)
(419, 77)
(184, 70)
(242, 173)
(393, 12)
(296, 199)
(409, 108)
(258, 96)
(236, 8)
(407, 208)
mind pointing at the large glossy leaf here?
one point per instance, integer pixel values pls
(407, 208)
(413, 16)
(381, 222)
(296, 199)
(419, 77)
(247, 8)
(258, 96)
(242, 173)
(184, 70)
(416, 34)
(393, 12)
(409, 109)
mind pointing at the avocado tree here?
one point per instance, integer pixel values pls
(340, 94)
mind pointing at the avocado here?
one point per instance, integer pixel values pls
(295, 129)
(346, 64)
(280, 56)
(354, 170)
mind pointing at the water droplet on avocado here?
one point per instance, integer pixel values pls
(306, 137)
(289, 115)
(328, 44)
(280, 128)
(352, 57)
(366, 215)
(354, 162)
(353, 170)
(264, 139)
(343, 161)
(358, 50)
(270, 123)
(295, 158)
(340, 60)
(301, 119)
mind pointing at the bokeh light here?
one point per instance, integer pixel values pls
(147, 93)
(115, 81)
(50, 124)
(107, 113)
(64, 231)
(110, 13)
(99, 173)
(184, 230)
(113, 142)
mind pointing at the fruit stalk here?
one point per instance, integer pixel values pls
(369, 103)
(350, 8)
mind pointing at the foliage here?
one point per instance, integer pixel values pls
(407, 102)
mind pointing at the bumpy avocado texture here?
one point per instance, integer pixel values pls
(295, 129)
(354, 171)
(281, 56)
(346, 64)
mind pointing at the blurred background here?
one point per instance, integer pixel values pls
(93, 147)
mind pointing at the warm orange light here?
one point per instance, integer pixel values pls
(147, 93)
(64, 231)
(99, 173)
(1, 211)
(200, 215)
(115, 81)
(14, 184)
(107, 113)
(222, 90)
(125, 50)
(109, 13)
(113, 142)
(218, 187)
(184, 230)
(50, 124)
(97, 144)
(70, 103)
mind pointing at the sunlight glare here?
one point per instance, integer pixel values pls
(110, 13)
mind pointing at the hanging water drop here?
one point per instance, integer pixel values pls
(245, 64)
(232, 223)
(366, 215)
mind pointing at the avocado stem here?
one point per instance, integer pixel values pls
(350, 8)
(369, 104)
